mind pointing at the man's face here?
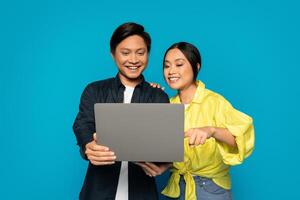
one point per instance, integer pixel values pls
(131, 57)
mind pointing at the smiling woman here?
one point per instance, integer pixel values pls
(216, 135)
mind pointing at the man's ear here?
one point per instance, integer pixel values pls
(198, 66)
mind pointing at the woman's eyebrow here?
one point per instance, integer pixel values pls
(179, 59)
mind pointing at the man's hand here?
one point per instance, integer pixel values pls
(152, 169)
(98, 154)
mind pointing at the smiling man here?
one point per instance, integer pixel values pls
(107, 179)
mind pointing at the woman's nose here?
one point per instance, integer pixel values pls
(172, 70)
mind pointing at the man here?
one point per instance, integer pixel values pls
(107, 179)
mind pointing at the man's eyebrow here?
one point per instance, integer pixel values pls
(141, 49)
(124, 48)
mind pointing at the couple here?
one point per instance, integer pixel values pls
(216, 135)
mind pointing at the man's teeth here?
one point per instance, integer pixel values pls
(132, 68)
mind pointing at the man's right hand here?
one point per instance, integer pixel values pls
(98, 154)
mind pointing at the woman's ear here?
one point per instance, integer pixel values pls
(112, 55)
(198, 66)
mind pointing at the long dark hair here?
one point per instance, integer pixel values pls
(191, 53)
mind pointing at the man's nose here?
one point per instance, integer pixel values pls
(133, 59)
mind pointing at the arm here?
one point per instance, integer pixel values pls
(84, 124)
(224, 135)
(200, 135)
(84, 127)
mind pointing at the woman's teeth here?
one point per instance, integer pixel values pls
(173, 79)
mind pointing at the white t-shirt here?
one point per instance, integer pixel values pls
(122, 190)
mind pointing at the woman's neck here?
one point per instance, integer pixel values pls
(186, 95)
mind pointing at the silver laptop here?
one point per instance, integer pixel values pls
(152, 132)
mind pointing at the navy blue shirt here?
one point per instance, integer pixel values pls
(101, 181)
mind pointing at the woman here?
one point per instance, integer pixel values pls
(216, 135)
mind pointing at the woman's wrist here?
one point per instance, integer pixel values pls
(212, 131)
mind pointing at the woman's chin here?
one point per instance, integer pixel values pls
(174, 86)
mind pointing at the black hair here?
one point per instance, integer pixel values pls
(191, 53)
(128, 29)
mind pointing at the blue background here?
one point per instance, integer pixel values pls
(51, 49)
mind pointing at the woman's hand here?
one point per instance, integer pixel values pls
(199, 135)
(98, 154)
(152, 169)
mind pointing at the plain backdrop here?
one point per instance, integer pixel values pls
(50, 50)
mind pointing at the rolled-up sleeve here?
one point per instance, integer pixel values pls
(241, 127)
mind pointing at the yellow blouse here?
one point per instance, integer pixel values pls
(212, 159)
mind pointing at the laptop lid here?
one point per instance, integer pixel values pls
(152, 132)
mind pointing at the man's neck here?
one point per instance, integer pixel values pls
(130, 82)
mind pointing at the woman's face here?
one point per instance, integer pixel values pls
(178, 72)
(131, 57)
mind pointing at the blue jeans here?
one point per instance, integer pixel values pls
(206, 189)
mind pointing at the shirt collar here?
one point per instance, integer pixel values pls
(198, 96)
(120, 84)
